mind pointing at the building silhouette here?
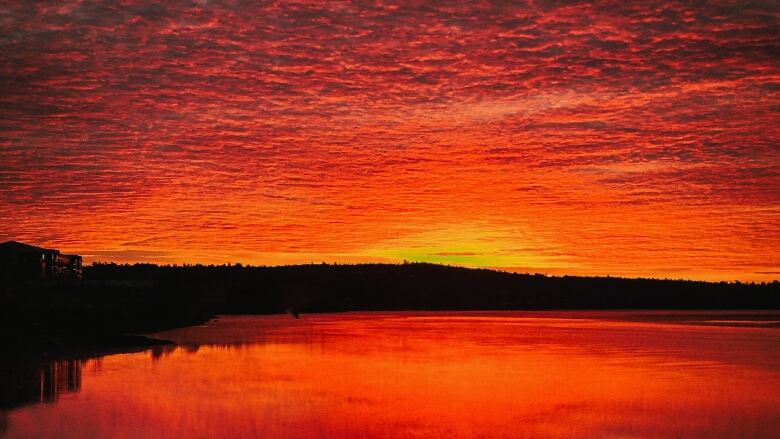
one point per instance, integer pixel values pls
(24, 262)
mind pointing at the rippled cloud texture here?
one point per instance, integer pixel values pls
(626, 138)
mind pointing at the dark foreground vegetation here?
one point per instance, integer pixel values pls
(114, 300)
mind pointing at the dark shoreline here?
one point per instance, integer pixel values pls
(116, 303)
(84, 346)
(77, 347)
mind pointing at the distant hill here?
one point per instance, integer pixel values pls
(423, 286)
(113, 300)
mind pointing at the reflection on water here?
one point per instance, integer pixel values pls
(426, 375)
(31, 383)
(23, 383)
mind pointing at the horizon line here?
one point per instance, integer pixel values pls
(493, 269)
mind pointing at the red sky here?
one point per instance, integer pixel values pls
(623, 138)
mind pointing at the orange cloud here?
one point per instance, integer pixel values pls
(587, 138)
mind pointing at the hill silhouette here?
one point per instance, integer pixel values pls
(120, 299)
(325, 287)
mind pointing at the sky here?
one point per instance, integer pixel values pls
(596, 138)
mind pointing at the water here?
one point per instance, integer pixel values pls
(421, 375)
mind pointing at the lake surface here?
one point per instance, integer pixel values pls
(421, 375)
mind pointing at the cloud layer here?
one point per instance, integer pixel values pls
(635, 138)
